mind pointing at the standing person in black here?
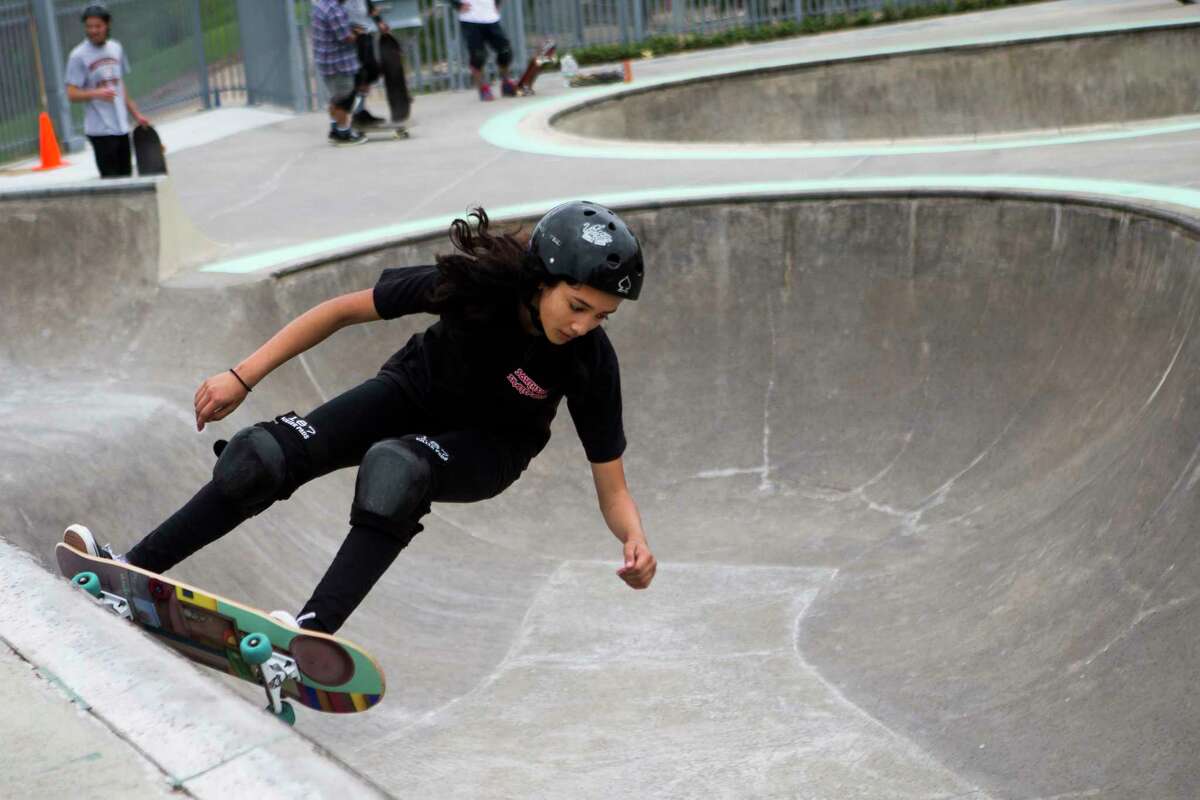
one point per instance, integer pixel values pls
(365, 15)
(454, 416)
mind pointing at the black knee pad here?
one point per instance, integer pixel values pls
(393, 490)
(251, 470)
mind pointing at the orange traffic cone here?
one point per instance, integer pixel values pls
(51, 157)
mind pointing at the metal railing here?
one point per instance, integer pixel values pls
(579, 23)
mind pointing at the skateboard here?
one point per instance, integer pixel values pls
(393, 132)
(543, 56)
(597, 78)
(322, 672)
(149, 151)
(379, 133)
(391, 63)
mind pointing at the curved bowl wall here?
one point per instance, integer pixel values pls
(920, 470)
(1072, 82)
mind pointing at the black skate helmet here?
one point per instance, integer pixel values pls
(583, 242)
(96, 10)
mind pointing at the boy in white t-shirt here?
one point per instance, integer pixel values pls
(96, 71)
(480, 21)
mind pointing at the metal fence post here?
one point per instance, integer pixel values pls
(639, 20)
(799, 10)
(623, 20)
(679, 15)
(57, 105)
(518, 34)
(453, 49)
(298, 70)
(201, 56)
(246, 44)
(578, 6)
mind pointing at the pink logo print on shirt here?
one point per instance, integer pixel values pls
(526, 386)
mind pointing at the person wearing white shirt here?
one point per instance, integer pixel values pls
(96, 71)
(480, 22)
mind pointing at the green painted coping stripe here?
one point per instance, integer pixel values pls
(505, 130)
(335, 246)
(366, 677)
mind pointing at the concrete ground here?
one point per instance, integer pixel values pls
(912, 434)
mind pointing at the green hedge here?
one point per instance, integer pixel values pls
(666, 44)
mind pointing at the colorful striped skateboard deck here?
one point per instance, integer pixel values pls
(322, 672)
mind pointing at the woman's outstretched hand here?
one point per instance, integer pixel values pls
(217, 398)
(640, 565)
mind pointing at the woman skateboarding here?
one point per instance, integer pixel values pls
(454, 416)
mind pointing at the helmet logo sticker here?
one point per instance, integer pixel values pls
(597, 235)
(624, 285)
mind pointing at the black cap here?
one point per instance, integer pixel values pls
(96, 10)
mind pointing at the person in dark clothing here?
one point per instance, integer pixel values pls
(455, 416)
(366, 20)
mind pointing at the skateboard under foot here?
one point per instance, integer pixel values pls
(323, 672)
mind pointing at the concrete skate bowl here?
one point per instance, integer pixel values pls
(920, 470)
(964, 92)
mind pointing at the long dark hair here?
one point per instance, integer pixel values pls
(489, 274)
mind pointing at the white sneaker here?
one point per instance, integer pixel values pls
(286, 616)
(81, 538)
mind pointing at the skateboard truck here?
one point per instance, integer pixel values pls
(90, 583)
(277, 669)
(274, 668)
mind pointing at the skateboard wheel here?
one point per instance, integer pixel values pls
(286, 713)
(255, 648)
(89, 582)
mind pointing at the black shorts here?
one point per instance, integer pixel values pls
(479, 35)
(468, 465)
(114, 155)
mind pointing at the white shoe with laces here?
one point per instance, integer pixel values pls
(286, 616)
(81, 538)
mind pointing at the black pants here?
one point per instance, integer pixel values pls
(466, 466)
(114, 156)
(368, 69)
(478, 34)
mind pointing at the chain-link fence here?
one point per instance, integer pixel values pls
(20, 96)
